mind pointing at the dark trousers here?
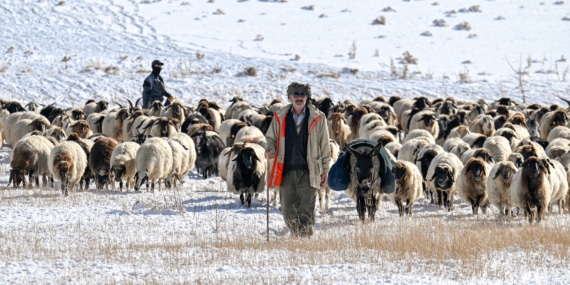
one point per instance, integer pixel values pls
(298, 200)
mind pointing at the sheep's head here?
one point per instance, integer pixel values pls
(247, 158)
(400, 170)
(119, 171)
(141, 177)
(476, 168)
(506, 171)
(443, 176)
(535, 166)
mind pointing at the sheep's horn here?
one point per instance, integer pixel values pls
(565, 100)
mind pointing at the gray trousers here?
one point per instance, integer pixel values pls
(298, 200)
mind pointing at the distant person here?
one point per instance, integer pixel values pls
(298, 139)
(153, 86)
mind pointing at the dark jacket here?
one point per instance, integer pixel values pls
(153, 89)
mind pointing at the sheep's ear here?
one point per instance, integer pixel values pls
(497, 174)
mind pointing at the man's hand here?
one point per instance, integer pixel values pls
(269, 154)
(324, 178)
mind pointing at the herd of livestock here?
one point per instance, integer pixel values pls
(508, 154)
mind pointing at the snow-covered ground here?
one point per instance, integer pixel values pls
(66, 52)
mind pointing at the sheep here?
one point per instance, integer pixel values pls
(338, 129)
(420, 133)
(531, 188)
(420, 104)
(557, 147)
(192, 119)
(324, 193)
(551, 120)
(252, 118)
(100, 161)
(408, 186)
(383, 136)
(475, 139)
(30, 156)
(423, 161)
(233, 111)
(18, 124)
(81, 127)
(441, 176)
(510, 135)
(50, 112)
(229, 129)
(247, 172)
(208, 147)
(527, 146)
(393, 149)
(95, 121)
(483, 124)
(211, 113)
(559, 132)
(56, 132)
(455, 146)
(112, 125)
(559, 183)
(251, 134)
(499, 147)
(472, 184)
(180, 158)
(95, 107)
(188, 144)
(3, 115)
(386, 112)
(425, 120)
(411, 149)
(368, 123)
(459, 132)
(123, 164)
(164, 127)
(175, 111)
(154, 163)
(353, 121)
(13, 107)
(498, 186)
(67, 162)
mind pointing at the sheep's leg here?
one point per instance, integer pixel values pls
(540, 213)
(400, 207)
(242, 198)
(248, 199)
(409, 208)
(528, 211)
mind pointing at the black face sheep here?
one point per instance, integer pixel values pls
(154, 163)
(408, 186)
(113, 124)
(499, 147)
(472, 184)
(164, 127)
(100, 161)
(67, 163)
(229, 129)
(95, 107)
(246, 172)
(551, 120)
(209, 145)
(423, 161)
(425, 120)
(441, 176)
(123, 164)
(531, 189)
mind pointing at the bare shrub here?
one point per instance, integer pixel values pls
(309, 8)
(426, 34)
(388, 9)
(408, 58)
(217, 70)
(399, 73)
(521, 74)
(111, 69)
(439, 23)
(464, 76)
(352, 51)
(219, 12)
(565, 18)
(463, 26)
(10, 50)
(250, 71)
(3, 68)
(379, 21)
(200, 55)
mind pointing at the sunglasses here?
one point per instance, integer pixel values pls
(300, 94)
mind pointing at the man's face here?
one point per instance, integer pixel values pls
(298, 98)
(158, 66)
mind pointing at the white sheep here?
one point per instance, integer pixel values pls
(164, 127)
(30, 156)
(510, 135)
(559, 183)
(188, 144)
(557, 147)
(559, 132)
(499, 147)
(408, 186)
(483, 124)
(442, 175)
(123, 164)
(247, 172)
(369, 123)
(95, 121)
(229, 129)
(112, 125)
(180, 157)
(551, 120)
(3, 115)
(411, 149)
(154, 163)
(67, 162)
(498, 186)
(20, 123)
(426, 120)
(251, 134)
(416, 133)
(175, 111)
(324, 193)
(455, 146)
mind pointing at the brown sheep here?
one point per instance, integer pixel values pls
(338, 129)
(472, 184)
(551, 120)
(100, 161)
(81, 127)
(531, 188)
(499, 184)
(408, 186)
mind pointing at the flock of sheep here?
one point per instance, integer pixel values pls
(511, 155)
